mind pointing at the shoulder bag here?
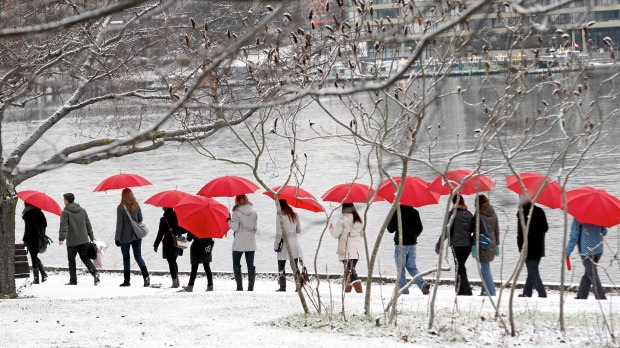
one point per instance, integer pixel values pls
(178, 241)
(139, 228)
(484, 239)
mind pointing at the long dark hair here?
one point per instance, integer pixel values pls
(350, 208)
(287, 210)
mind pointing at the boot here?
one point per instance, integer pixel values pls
(348, 286)
(282, 282)
(189, 288)
(35, 272)
(146, 276)
(127, 276)
(96, 278)
(175, 283)
(251, 278)
(210, 287)
(238, 277)
(357, 285)
(42, 270)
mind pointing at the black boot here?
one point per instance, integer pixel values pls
(251, 278)
(127, 276)
(282, 282)
(42, 270)
(146, 276)
(35, 272)
(238, 277)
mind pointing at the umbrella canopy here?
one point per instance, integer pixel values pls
(167, 199)
(203, 216)
(40, 200)
(593, 206)
(476, 183)
(121, 181)
(415, 193)
(297, 197)
(550, 196)
(350, 193)
(228, 186)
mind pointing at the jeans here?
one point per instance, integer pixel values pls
(461, 253)
(249, 258)
(533, 280)
(136, 245)
(487, 277)
(192, 275)
(409, 255)
(591, 278)
(72, 252)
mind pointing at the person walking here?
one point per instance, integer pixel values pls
(200, 253)
(589, 241)
(489, 225)
(126, 238)
(349, 230)
(168, 229)
(243, 221)
(535, 245)
(76, 229)
(292, 228)
(411, 230)
(34, 232)
(460, 241)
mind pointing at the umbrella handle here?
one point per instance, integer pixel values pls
(568, 267)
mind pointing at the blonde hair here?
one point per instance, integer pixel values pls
(241, 199)
(129, 200)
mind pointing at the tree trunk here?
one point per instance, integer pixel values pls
(8, 202)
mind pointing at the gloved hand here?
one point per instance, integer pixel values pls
(437, 247)
(117, 242)
(155, 248)
(473, 251)
(497, 252)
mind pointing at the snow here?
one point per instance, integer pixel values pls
(52, 314)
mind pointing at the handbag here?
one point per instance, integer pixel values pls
(139, 228)
(44, 241)
(178, 241)
(279, 247)
(91, 250)
(484, 240)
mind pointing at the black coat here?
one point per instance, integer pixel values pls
(200, 251)
(35, 227)
(412, 225)
(168, 225)
(461, 230)
(536, 233)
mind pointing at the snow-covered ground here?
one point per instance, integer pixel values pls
(52, 314)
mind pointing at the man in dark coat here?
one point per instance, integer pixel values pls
(535, 246)
(411, 229)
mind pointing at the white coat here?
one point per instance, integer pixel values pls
(352, 235)
(244, 221)
(292, 229)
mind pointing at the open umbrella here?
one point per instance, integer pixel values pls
(550, 196)
(227, 186)
(40, 200)
(297, 197)
(593, 206)
(476, 183)
(203, 216)
(167, 199)
(121, 181)
(350, 193)
(415, 194)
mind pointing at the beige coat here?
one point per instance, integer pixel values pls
(350, 238)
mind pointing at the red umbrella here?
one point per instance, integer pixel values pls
(227, 186)
(167, 199)
(593, 206)
(550, 196)
(40, 200)
(350, 193)
(203, 216)
(476, 183)
(415, 193)
(297, 197)
(121, 181)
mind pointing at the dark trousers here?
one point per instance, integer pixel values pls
(591, 279)
(249, 258)
(349, 269)
(136, 245)
(72, 252)
(461, 253)
(282, 264)
(172, 265)
(192, 275)
(34, 258)
(533, 280)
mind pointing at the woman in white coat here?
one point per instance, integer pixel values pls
(350, 234)
(292, 227)
(243, 222)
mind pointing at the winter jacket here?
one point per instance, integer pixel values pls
(200, 250)
(168, 225)
(588, 237)
(536, 233)
(35, 227)
(292, 229)
(124, 230)
(243, 222)
(352, 234)
(411, 223)
(461, 230)
(75, 226)
(490, 219)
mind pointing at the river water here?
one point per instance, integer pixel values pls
(329, 162)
